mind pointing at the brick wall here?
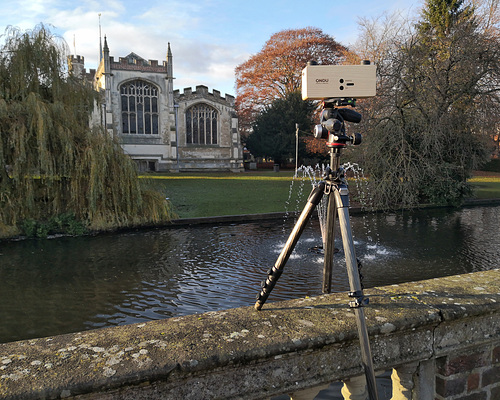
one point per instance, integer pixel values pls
(472, 374)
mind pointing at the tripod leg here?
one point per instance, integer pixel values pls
(329, 245)
(342, 202)
(276, 271)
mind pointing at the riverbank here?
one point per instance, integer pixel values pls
(200, 198)
(198, 195)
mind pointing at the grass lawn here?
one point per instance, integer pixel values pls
(486, 186)
(213, 194)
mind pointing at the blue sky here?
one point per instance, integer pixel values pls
(209, 38)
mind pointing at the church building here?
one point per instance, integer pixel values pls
(161, 128)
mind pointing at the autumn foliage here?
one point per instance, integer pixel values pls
(275, 71)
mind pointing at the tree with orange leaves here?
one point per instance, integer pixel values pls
(275, 72)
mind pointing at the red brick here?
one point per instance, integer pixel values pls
(462, 363)
(441, 363)
(472, 382)
(496, 355)
(450, 387)
(495, 393)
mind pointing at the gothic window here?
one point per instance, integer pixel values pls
(201, 124)
(139, 104)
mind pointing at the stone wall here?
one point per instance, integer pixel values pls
(441, 337)
(227, 154)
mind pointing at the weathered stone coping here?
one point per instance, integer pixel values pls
(242, 353)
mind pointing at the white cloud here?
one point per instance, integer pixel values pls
(170, 17)
(198, 59)
(35, 7)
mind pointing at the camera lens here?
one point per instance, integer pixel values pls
(320, 132)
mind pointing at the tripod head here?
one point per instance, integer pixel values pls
(332, 123)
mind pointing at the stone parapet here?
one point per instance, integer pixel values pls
(441, 335)
(203, 92)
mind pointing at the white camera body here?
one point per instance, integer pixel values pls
(338, 81)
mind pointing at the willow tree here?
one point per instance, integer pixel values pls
(51, 161)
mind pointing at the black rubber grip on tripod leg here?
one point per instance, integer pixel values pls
(267, 286)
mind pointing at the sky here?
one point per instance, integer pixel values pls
(208, 38)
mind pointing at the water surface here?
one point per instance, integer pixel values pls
(65, 284)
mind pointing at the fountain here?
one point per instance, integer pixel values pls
(308, 173)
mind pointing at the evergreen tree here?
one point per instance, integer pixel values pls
(441, 17)
(274, 132)
(51, 161)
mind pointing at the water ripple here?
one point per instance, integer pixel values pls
(70, 284)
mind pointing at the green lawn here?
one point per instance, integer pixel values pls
(202, 195)
(486, 187)
(214, 194)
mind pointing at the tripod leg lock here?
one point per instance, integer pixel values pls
(359, 299)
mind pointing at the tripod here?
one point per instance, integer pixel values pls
(332, 128)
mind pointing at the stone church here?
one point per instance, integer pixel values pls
(161, 128)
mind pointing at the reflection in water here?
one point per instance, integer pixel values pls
(64, 284)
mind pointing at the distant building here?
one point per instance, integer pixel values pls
(162, 129)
